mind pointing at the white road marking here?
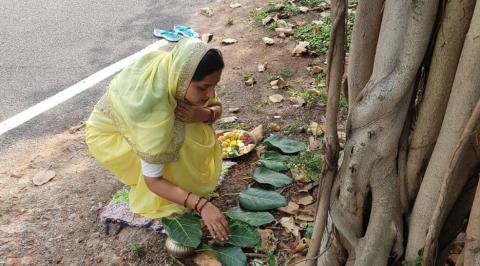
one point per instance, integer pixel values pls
(77, 88)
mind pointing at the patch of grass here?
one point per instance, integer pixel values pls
(273, 77)
(137, 249)
(246, 77)
(286, 73)
(311, 3)
(120, 196)
(309, 162)
(233, 125)
(312, 97)
(230, 21)
(292, 127)
(317, 35)
(222, 90)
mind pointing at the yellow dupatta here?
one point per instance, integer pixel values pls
(139, 105)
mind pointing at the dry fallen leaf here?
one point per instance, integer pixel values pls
(257, 133)
(228, 41)
(314, 143)
(299, 174)
(249, 82)
(234, 110)
(268, 19)
(286, 31)
(268, 243)
(291, 208)
(207, 37)
(289, 224)
(305, 218)
(76, 128)
(268, 41)
(235, 5)
(229, 119)
(43, 176)
(278, 84)
(262, 67)
(300, 49)
(316, 69)
(206, 258)
(274, 127)
(276, 98)
(298, 100)
(303, 9)
(306, 187)
(303, 245)
(302, 198)
(316, 129)
(206, 11)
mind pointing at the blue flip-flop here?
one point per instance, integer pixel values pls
(185, 31)
(168, 35)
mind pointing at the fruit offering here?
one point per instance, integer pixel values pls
(235, 143)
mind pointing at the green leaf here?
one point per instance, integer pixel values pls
(255, 199)
(230, 255)
(184, 229)
(120, 196)
(243, 235)
(266, 176)
(274, 160)
(251, 218)
(285, 145)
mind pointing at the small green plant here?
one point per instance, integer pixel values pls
(307, 230)
(120, 196)
(309, 163)
(230, 21)
(342, 102)
(232, 125)
(273, 77)
(292, 127)
(246, 77)
(222, 90)
(286, 73)
(137, 249)
(311, 3)
(317, 35)
(311, 96)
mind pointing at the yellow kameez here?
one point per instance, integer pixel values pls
(128, 126)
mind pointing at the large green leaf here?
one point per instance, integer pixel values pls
(266, 176)
(184, 229)
(255, 199)
(251, 218)
(285, 145)
(230, 255)
(274, 160)
(243, 235)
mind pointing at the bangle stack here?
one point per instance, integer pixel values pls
(196, 208)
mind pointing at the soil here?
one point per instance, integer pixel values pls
(57, 222)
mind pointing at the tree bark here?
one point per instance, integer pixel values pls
(446, 53)
(377, 119)
(464, 96)
(335, 70)
(366, 28)
(472, 240)
(465, 162)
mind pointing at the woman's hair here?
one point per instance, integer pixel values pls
(211, 62)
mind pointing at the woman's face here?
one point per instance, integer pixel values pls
(200, 91)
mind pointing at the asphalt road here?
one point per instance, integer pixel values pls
(49, 45)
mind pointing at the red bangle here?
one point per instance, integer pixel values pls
(185, 202)
(201, 208)
(196, 205)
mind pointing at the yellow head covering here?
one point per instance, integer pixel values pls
(141, 100)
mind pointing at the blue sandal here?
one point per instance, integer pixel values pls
(167, 35)
(185, 31)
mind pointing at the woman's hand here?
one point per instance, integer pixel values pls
(188, 113)
(215, 221)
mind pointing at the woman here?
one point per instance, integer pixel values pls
(152, 130)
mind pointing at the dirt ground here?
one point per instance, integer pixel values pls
(57, 223)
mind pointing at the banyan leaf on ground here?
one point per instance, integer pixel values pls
(185, 229)
(255, 199)
(251, 218)
(266, 176)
